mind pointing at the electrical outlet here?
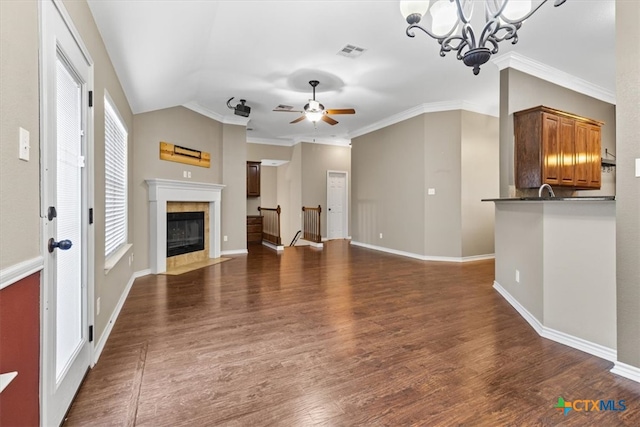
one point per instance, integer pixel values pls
(224, 238)
(184, 174)
(98, 306)
(517, 276)
(130, 259)
(381, 235)
(431, 191)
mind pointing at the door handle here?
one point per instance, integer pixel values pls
(62, 245)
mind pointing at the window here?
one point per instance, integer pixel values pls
(115, 178)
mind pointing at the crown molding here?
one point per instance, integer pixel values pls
(341, 142)
(228, 120)
(269, 141)
(553, 75)
(433, 107)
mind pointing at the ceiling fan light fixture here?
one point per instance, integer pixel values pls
(503, 19)
(314, 116)
(314, 105)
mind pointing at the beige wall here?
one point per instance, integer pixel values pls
(519, 91)
(268, 175)
(268, 187)
(301, 181)
(519, 243)
(455, 153)
(19, 107)
(234, 195)
(258, 152)
(317, 159)
(387, 182)
(480, 180)
(566, 276)
(442, 172)
(628, 185)
(179, 126)
(289, 181)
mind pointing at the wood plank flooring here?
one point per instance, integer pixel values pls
(342, 336)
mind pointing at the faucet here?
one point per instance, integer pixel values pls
(547, 186)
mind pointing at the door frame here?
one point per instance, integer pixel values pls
(345, 211)
(47, 133)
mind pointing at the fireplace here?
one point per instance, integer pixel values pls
(163, 191)
(185, 232)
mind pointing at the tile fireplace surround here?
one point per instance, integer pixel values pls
(162, 191)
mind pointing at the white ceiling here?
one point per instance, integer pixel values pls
(201, 53)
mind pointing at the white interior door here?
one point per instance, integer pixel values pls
(66, 352)
(336, 205)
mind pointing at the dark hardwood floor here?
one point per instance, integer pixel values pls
(342, 336)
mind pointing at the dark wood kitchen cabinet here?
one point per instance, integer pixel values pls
(556, 148)
(254, 229)
(253, 179)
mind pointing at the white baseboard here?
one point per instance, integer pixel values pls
(99, 345)
(555, 335)
(235, 252)
(627, 371)
(477, 257)
(530, 318)
(423, 257)
(142, 273)
(278, 248)
(313, 244)
(17, 272)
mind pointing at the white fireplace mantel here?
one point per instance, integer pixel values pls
(162, 191)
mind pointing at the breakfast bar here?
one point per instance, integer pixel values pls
(555, 262)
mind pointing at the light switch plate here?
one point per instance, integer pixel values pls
(431, 191)
(637, 168)
(24, 145)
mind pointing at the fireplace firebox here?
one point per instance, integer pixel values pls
(185, 232)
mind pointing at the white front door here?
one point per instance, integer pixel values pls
(66, 77)
(336, 205)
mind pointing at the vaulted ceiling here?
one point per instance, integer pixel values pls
(201, 53)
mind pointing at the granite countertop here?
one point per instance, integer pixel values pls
(554, 199)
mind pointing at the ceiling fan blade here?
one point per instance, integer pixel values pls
(288, 111)
(341, 111)
(328, 119)
(299, 119)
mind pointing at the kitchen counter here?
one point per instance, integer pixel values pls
(556, 264)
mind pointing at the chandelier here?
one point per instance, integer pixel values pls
(451, 25)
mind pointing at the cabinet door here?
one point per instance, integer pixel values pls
(550, 149)
(253, 178)
(567, 151)
(583, 156)
(593, 157)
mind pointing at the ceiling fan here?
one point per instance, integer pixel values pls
(314, 111)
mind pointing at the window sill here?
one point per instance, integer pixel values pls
(113, 259)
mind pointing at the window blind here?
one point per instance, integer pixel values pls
(115, 136)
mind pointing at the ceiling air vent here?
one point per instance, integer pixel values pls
(351, 51)
(283, 108)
